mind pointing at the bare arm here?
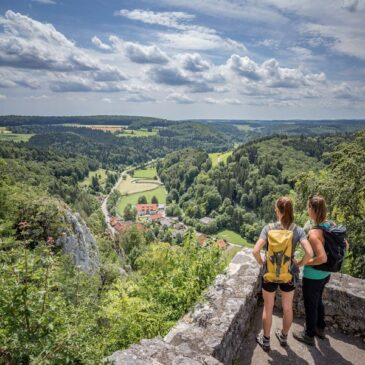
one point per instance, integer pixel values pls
(257, 251)
(316, 241)
(308, 253)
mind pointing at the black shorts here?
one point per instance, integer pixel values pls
(272, 287)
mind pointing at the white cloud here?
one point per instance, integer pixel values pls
(350, 5)
(174, 19)
(38, 97)
(83, 83)
(211, 100)
(193, 62)
(107, 100)
(271, 74)
(2, 97)
(180, 98)
(11, 78)
(45, 2)
(186, 35)
(249, 10)
(98, 43)
(139, 53)
(225, 101)
(27, 43)
(138, 98)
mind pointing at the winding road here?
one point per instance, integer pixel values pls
(103, 204)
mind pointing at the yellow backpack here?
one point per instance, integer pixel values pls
(279, 255)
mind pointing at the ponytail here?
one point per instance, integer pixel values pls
(318, 205)
(285, 207)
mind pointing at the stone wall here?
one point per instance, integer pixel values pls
(212, 332)
(344, 300)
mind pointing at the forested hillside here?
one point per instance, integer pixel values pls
(53, 312)
(240, 194)
(115, 151)
(342, 183)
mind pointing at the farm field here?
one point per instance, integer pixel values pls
(105, 128)
(217, 157)
(160, 193)
(148, 173)
(243, 127)
(6, 135)
(137, 133)
(100, 173)
(133, 185)
(233, 237)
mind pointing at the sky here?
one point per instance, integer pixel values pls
(182, 59)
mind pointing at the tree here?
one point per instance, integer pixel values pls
(133, 242)
(130, 213)
(95, 184)
(142, 199)
(154, 200)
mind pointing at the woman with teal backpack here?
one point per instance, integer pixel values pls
(314, 280)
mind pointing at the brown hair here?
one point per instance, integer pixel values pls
(318, 205)
(285, 207)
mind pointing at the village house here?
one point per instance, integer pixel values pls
(202, 239)
(156, 217)
(143, 209)
(121, 227)
(221, 243)
(113, 221)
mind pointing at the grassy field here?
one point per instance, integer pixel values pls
(105, 128)
(217, 157)
(148, 173)
(6, 135)
(100, 173)
(133, 185)
(159, 192)
(233, 237)
(120, 131)
(243, 127)
(138, 133)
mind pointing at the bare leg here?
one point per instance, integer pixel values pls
(287, 304)
(269, 299)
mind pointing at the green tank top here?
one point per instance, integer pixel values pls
(310, 273)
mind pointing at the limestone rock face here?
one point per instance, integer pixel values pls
(79, 242)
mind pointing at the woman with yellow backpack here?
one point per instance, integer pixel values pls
(280, 269)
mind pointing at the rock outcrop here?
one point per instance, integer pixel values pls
(79, 242)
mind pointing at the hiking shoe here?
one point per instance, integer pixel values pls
(302, 337)
(320, 333)
(282, 339)
(263, 341)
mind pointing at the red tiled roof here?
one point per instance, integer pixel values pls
(113, 221)
(156, 217)
(201, 239)
(146, 207)
(221, 243)
(123, 226)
